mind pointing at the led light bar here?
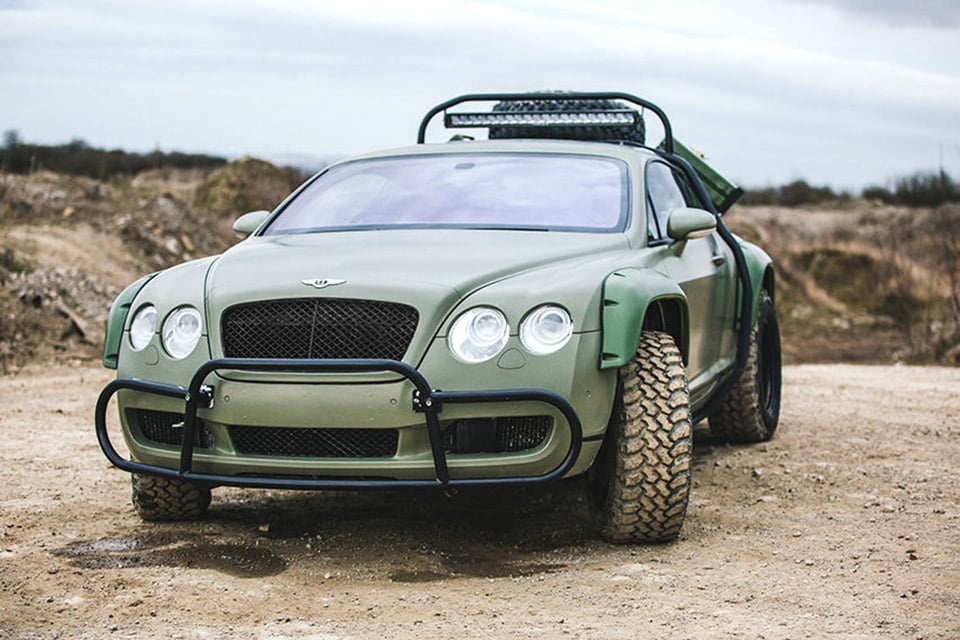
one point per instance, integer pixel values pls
(597, 118)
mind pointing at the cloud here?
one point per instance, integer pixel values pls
(789, 86)
(927, 13)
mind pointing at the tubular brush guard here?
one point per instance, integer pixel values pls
(425, 400)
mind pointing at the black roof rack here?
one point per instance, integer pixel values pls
(615, 118)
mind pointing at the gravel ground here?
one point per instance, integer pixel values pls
(844, 525)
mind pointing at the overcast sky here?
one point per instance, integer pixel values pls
(840, 92)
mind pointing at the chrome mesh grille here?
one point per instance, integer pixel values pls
(318, 328)
(315, 442)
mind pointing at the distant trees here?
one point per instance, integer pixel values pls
(78, 158)
(795, 194)
(921, 189)
(924, 189)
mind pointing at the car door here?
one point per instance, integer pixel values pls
(704, 270)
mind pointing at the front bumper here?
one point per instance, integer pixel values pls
(425, 400)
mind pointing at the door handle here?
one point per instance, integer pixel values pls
(718, 259)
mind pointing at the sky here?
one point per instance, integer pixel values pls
(844, 93)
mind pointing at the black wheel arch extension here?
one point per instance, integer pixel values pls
(667, 315)
(769, 282)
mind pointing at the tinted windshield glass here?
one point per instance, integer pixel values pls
(488, 191)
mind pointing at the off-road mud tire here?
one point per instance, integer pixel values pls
(751, 411)
(635, 132)
(157, 499)
(640, 484)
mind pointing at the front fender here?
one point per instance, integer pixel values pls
(627, 295)
(118, 318)
(178, 286)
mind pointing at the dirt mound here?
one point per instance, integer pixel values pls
(165, 231)
(858, 281)
(68, 245)
(246, 185)
(863, 282)
(51, 311)
(70, 288)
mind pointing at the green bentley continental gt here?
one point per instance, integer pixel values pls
(546, 297)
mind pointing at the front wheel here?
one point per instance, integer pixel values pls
(751, 410)
(641, 479)
(156, 498)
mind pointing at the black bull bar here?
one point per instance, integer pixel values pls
(425, 400)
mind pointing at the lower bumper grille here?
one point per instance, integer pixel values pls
(483, 435)
(497, 435)
(315, 443)
(165, 427)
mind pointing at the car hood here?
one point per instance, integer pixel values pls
(431, 270)
(391, 265)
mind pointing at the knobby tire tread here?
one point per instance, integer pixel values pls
(159, 499)
(741, 418)
(649, 479)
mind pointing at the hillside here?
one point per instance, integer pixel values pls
(69, 245)
(859, 281)
(863, 281)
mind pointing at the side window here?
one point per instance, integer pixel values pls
(689, 195)
(663, 196)
(653, 231)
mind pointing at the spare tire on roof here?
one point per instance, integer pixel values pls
(634, 132)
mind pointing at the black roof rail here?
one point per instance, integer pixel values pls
(613, 115)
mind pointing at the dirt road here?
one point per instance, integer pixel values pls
(847, 524)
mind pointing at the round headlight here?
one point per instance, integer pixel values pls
(546, 329)
(478, 334)
(181, 332)
(143, 327)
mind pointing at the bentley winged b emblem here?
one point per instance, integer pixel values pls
(322, 283)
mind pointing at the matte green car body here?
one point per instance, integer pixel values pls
(614, 285)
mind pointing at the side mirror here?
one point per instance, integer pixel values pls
(687, 223)
(250, 222)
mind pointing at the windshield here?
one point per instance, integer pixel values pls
(485, 191)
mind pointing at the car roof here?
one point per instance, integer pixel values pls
(628, 153)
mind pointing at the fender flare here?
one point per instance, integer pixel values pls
(118, 317)
(628, 294)
(760, 266)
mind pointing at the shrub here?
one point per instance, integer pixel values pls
(794, 194)
(922, 189)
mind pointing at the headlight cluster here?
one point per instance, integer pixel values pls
(179, 335)
(481, 333)
(546, 329)
(143, 327)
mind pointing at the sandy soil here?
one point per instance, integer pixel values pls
(846, 524)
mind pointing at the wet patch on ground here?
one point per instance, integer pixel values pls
(426, 536)
(236, 559)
